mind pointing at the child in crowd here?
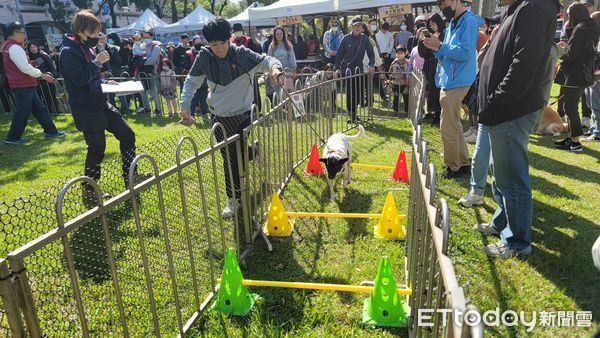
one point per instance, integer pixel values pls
(168, 87)
(139, 53)
(400, 70)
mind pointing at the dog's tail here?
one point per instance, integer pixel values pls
(361, 132)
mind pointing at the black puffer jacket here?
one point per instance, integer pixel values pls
(83, 83)
(580, 47)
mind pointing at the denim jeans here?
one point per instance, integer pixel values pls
(28, 102)
(512, 186)
(152, 86)
(480, 163)
(593, 96)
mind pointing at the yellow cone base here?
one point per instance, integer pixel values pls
(278, 223)
(390, 225)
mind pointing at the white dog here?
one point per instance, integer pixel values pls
(337, 156)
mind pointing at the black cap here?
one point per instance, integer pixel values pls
(237, 27)
(357, 21)
(492, 20)
(184, 36)
(11, 27)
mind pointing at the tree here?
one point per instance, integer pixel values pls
(60, 13)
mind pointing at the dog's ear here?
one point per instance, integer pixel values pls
(344, 160)
(324, 160)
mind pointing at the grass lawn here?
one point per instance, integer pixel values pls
(41, 163)
(559, 276)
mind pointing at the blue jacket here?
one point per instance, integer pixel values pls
(458, 53)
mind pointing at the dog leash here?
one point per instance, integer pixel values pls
(300, 112)
(559, 98)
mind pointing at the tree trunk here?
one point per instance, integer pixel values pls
(222, 7)
(113, 15)
(173, 12)
(212, 6)
(185, 7)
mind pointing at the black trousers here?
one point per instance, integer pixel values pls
(399, 90)
(354, 94)
(233, 125)
(571, 106)
(96, 145)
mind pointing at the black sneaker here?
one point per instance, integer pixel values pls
(563, 142)
(570, 145)
(451, 174)
(465, 169)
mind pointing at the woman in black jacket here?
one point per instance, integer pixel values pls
(579, 49)
(92, 114)
(436, 26)
(44, 63)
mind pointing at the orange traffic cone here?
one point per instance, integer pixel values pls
(314, 166)
(400, 171)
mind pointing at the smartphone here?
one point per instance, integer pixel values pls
(426, 34)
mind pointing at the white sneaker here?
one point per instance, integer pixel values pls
(585, 122)
(596, 253)
(471, 138)
(471, 199)
(591, 138)
(230, 208)
(469, 132)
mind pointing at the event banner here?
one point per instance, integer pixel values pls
(289, 20)
(395, 10)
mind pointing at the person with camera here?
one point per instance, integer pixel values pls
(23, 80)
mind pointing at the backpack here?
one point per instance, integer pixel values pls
(161, 57)
(591, 69)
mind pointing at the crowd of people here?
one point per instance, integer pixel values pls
(496, 69)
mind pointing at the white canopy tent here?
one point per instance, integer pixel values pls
(148, 20)
(192, 22)
(244, 19)
(285, 8)
(351, 5)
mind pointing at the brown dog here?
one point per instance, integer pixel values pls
(550, 123)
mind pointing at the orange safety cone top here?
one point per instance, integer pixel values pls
(401, 170)
(314, 167)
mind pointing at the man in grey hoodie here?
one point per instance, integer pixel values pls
(230, 71)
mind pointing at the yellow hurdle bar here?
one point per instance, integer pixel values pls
(331, 214)
(372, 166)
(315, 286)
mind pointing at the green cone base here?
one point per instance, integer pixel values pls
(402, 321)
(236, 311)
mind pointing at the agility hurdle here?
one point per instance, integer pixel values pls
(316, 286)
(371, 166)
(389, 226)
(384, 307)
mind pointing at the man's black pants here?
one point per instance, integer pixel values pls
(233, 125)
(96, 145)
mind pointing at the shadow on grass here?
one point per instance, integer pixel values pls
(566, 259)
(559, 168)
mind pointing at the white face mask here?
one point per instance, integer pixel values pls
(166, 67)
(238, 34)
(373, 27)
(403, 27)
(334, 29)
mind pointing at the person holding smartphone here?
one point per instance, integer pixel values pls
(43, 62)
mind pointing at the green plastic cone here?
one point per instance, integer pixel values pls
(233, 297)
(385, 307)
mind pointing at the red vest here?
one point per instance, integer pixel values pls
(16, 78)
(243, 41)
